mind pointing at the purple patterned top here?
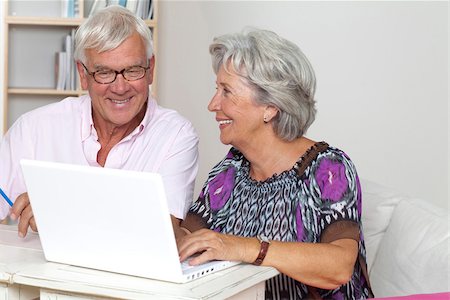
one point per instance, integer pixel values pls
(319, 192)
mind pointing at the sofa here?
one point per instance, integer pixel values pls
(407, 243)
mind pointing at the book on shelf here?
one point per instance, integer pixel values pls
(141, 8)
(70, 8)
(150, 10)
(112, 2)
(97, 5)
(77, 9)
(74, 71)
(131, 5)
(60, 69)
(145, 9)
(65, 69)
(68, 69)
(64, 8)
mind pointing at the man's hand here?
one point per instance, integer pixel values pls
(22, 211)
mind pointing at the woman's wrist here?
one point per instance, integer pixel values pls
(264, 248)
(251, 250)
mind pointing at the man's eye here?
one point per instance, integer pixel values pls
(133, 71)
(104, 73)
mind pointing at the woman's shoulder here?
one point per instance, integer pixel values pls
(323, 150)
(331, 172)
(324, 158)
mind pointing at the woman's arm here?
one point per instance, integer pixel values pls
(323, 265)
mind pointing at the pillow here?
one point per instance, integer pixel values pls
(378, 204)
(413, 257)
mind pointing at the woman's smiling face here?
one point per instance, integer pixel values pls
(240, 118)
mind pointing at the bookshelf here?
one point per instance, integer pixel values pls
(34, 32)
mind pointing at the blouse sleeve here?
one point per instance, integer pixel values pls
(336, 192)
(199, 215)
(214, 195)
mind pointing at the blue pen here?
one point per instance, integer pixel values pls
(6, 197)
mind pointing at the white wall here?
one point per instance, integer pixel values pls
(382, 79)
(2, 3)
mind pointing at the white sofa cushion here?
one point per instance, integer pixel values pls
(413, 256)
(378, 204)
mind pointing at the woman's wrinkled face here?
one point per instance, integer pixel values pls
(240, 118)
(118, 103)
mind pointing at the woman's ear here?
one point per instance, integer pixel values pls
(270, 112)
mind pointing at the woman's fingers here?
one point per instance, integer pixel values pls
(210, 244)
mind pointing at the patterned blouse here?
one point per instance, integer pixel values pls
(318, 200)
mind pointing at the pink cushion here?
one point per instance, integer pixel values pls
(436, 296)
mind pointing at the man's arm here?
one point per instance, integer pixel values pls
(180, 170)
(15, 145)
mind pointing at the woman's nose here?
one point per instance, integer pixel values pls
(214, 103)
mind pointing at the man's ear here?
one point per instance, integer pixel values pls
(83, 76)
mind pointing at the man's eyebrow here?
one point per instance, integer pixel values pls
(103, 67)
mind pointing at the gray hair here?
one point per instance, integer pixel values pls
(107, 29)
(278, 71)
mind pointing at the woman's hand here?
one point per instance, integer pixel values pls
(217, 246)
(22, 211)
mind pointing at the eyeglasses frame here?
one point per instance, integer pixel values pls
(117, 73)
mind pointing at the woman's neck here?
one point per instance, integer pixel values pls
(275, 156)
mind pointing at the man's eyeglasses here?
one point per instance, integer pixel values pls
(109, 76)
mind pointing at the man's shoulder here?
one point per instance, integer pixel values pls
(162, 116)
(49, 119)
(163, 113)
(66, 106)
(52, 116)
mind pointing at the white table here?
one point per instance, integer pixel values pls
(17, 254)
(23, 268)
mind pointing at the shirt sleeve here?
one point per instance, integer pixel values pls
(180, 170)
(15, 145)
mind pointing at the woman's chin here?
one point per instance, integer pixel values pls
(225, 140)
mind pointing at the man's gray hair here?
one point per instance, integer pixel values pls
(279, 72)
(107, 29)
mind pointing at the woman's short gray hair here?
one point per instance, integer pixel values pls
(107, 29)
(278, 70)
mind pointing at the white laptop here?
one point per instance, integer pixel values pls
(107, 219)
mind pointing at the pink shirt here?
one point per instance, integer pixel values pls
(164, 142)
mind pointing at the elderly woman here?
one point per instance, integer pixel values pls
(278, 198)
